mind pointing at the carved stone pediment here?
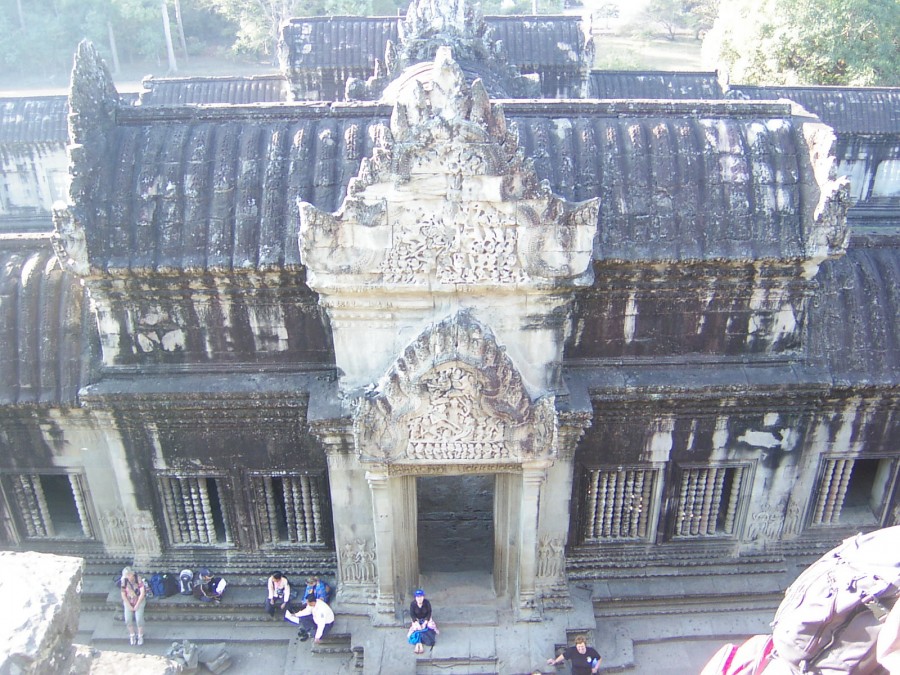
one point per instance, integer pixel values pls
(454, 396)
(448, 200)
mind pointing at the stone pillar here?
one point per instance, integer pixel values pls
(124, 527)
(383, 512)
(507, 497)
(354, 538)
(553, 533)
(533, 476)
(406, 544)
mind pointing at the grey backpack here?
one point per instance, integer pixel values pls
(829, 619)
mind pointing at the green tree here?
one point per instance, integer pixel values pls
(672, 17)
(802, 42)
(259, 21)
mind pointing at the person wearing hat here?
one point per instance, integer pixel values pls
(316, 616)
(422, 629)
(209, 588)
(134, 600)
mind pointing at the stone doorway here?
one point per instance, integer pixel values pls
(455, 523)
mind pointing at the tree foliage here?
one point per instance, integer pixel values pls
(672, 17)
(44, 37)
(803, 42)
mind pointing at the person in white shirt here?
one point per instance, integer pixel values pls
(317, 615)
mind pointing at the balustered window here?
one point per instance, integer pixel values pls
(195, 511)
(853, 491)
(619, 503)
(50, 506)
(709, 500)
(289, 508)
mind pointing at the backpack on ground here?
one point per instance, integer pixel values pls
(186, 582)
(157, 587)
(830, 617)
(171, 585)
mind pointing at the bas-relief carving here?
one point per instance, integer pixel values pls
(447, 199)
(771, 524)
(357, 560)
(551, 558)
(115, 527)
(454, 395)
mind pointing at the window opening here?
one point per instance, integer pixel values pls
(852, 491)
(195, 512)
(289, 509)
(51, 506)
(619, 503)
(708, 501)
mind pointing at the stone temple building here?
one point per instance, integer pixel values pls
(439, 298)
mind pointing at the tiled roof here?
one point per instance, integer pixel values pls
(854, 324)
(217, 188)
(355, 42)
(654, 84)
(208, 90)
(33, 119)
(872, 110)
(44, 324)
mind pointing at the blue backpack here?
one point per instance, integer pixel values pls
(158, 585)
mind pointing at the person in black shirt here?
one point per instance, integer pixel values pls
(584, 659)
(422, 625)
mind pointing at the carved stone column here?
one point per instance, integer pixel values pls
(354, 536)
(552, 582)
(533, 476)
(382, 511)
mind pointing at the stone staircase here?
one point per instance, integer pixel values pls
(679, 609)
(649, 613)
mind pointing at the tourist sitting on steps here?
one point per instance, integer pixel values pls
(279, 593)
(319, 588)
(317, 615)
(209, 588)
(422, 629)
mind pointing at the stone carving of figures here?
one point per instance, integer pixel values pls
(364, 559)
(350, 568)
(766, 525)
(550, 557)
(792, 521)
(143, 533)
(115, 528)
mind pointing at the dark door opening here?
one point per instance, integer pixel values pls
(61, 505)
(456, 523)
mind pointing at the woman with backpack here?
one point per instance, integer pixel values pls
(279, 593)
(134, 599)
(422, 630)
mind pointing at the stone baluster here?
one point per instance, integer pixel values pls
(174, 508)
(316, 497)
(300, 531)
(80, 505)
(308, 516)
(206, 524)
(712, 494)
(43, 509)
(733, 499)
(845, 468)
(266, 497)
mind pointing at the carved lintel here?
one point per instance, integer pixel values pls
(454, 396)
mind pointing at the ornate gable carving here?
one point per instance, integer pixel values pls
(454, 396)
(448, 199)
